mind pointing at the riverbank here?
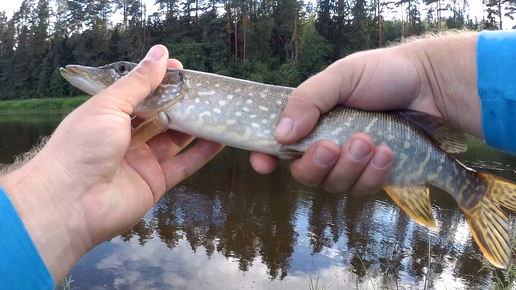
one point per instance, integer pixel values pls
(41, 105)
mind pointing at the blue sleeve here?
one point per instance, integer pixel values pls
(21, 266)
(496, 77)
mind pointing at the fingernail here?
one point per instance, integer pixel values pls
(381, 159)
(324, 156)
(358, 150)
(155, 53)
(284, 127)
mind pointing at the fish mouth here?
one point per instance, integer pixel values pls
(91, 80)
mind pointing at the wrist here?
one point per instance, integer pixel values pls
(50, 216)
(447, 71)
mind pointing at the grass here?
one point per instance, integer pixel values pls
(503, 279)
(316, 286)
(66, 284)
(40, 105)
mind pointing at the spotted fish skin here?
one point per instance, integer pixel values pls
(238, 114)
(244, 115)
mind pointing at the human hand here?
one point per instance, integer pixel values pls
(435, 76)
(84, 187)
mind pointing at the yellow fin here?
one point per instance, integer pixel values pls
(489, 227)
(415, 201)
(502, 191)
(488, 223)
(146, 130)
(444, 134)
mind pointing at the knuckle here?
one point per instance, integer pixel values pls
(335, 185)
(360, 192)
(306, 178)
(334, 188)
(362, 188)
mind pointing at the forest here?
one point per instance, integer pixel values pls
(280, 42)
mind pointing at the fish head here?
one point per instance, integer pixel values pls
(172, 89)
(94, 80)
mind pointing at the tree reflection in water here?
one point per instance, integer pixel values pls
(229, 209)
(226, 208)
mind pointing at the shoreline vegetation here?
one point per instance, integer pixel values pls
(50, 105)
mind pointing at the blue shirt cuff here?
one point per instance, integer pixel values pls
(496, 77)
(21, 266)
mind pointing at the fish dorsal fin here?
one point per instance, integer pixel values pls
(415, 201)
(444, 134)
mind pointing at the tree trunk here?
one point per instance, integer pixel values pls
(409, 16)
(196, 11)
(483, 13)
(125, 15)
(402, 22)
(236, 40)
(500, 13)
(228, 12)
(243, 23)
(295, 40)
(379, 24)
(380, 42)
(439, 14)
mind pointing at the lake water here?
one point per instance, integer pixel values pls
(227, 227)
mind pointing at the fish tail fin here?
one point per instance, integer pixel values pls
(488, 223)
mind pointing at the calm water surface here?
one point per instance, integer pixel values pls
(228, 227)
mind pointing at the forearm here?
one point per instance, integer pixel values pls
(448, 70)
(50, 219)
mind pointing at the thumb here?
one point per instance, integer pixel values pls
(130, 90)
(314, 97)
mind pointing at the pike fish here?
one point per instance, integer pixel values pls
(244, 114)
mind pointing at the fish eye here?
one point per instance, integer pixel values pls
(122, 68)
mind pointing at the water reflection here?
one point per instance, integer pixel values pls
(227, 227)
(21, 132)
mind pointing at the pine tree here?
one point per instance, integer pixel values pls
(494, 14)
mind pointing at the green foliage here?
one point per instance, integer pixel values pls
(288, 75)
(65, 104)
(276, 42)
(314, 51)
(192, 54)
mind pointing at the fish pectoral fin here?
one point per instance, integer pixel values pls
(288, 153)
(415, 201)
(488, 223)
(146, 130)
(447, 136)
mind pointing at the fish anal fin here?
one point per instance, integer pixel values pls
(146, 130)
(444, 134)
(415, 201)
